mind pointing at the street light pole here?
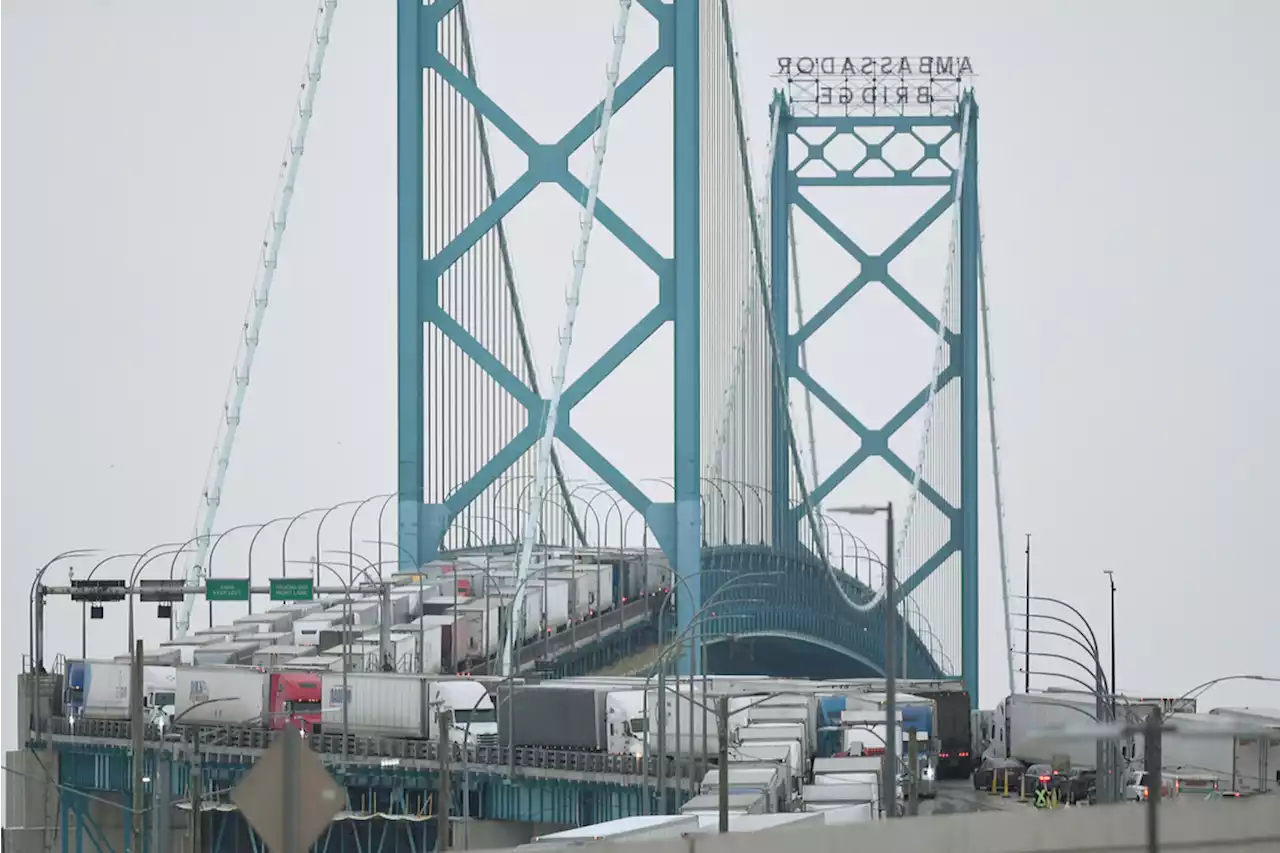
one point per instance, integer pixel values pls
(1111, 578)
(1113, 748)
(889, 771)
(1027, 640)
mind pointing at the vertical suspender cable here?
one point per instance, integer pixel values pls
(995, 454)
(941, 351)
(216, 477)
(804, 352)
(508, 272)
(539, 491)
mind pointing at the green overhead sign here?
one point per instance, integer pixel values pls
(226, 589)
(292, 589)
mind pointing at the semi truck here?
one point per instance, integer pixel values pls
(406, 705)
(568, 716)
(952, 724)
(101, 690)
(248, 696)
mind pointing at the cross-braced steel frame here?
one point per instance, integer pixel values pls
(961, 346)
(422, 525)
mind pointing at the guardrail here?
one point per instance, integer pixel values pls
(362, 752)
(629, 615)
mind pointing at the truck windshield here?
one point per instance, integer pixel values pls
(479, 715)
(638, 725)
(165, 698)
(303, 706)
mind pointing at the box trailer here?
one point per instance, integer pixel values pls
(267, 621)
(556, 716)
(306, 632)
(313, 663)
(225, 654)
(186, 647)
(404, 705)
(274, 656)
(639, 828)
(241, 694)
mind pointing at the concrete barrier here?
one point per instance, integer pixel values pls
(1186, 826)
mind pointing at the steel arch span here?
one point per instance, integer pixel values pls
(790, 599)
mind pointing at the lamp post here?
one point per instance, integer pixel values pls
(346, 637)
(195, 781)
(677, 643)
(1106, 753)
(888, 772)
(1111, 579)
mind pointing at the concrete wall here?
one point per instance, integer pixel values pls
(1247, 826)
(31, 801)
(496, 834)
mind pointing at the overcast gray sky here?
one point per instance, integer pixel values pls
(1128, 198)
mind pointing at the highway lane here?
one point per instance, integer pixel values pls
(959, 797)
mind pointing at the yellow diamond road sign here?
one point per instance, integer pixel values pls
(261, 795)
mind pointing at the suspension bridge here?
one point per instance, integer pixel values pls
(474, 423)
(490, 458)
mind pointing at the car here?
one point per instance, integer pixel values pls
(1075, 786)
(1039, 776)
(996, 770)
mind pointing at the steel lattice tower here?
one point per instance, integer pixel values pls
(960, 331)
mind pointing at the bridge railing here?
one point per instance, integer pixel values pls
(362, 752)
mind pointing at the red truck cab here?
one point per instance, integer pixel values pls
(295, 701)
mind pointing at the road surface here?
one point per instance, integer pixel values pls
(961, 798)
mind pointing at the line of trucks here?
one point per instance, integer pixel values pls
(1016, 729)
(445, 618)
(407, 653)
(801, 744)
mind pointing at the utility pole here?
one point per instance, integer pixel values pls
(1027, 669)
(1155, 782)
(889, 772)
(139, 726)
(196, 787)
(913, 772)
(443, 723)
(1113, 749)
(290, 794)
(1115, 688)
(722, 790)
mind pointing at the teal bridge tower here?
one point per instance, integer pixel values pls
(761, 568)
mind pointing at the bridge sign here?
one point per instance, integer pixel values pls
(226, 589)
(288, 781)
(292, 589)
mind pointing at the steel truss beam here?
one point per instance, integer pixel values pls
(962, 346)
(676, 525)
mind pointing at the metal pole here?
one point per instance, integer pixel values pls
(196, 790)
(1103, 751)
(913, 772)
(38, 663)
(1027, 639)
(722, 791)
(662, 712)
(139, 744)
(646, 804)
(889, 771)
(163, 789)
(1113, 747)
(443, 723)
(422, 627)
(1155, 783)
(453, 636)
(290, 792)
(384, 630)
(346, 665)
